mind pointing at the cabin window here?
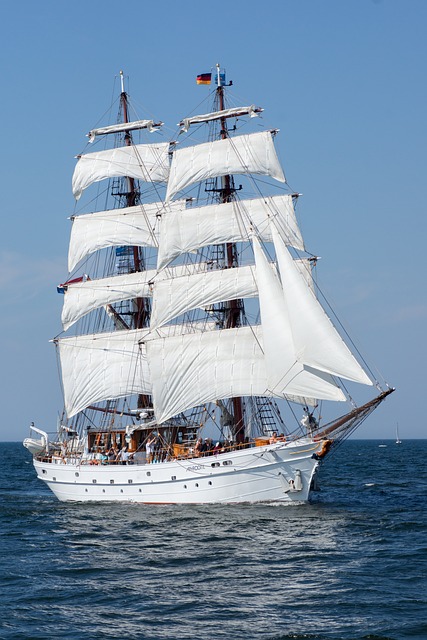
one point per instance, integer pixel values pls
(173, 477)
(148, 473)
(227, 462)
(94, 481)
(112, 481)
(215, 464)
(44, 471)
(130, 481)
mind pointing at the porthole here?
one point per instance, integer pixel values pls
(140, 491)
(103, 491)
(227, 462)
(121, 490)
(173, 477)
(215, 464)
(77, 474)
(93, 481)
(86, 490)
(54, 479)
(185, 486)
(197, 484)
(209, 482)
(130, 481)
(148, 473)
(112, 481)
(44, 471)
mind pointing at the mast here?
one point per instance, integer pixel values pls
(233, 318)
(142, 313)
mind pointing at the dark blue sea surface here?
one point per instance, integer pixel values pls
(350, 565)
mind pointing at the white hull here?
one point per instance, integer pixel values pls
(279, 472)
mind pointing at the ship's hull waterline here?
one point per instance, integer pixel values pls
(278, 472)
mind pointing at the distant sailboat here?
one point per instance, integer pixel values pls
(398, 440)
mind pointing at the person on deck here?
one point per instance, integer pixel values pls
(149, 448)
(198, 447)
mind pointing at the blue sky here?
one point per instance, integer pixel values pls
(344, 80)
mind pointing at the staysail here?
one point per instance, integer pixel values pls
(317, 342)
(286, 374)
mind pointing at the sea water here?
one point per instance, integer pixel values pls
(349, 565)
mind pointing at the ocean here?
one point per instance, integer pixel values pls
(350, 565)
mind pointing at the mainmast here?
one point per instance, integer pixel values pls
(234, 307)
(142, 305)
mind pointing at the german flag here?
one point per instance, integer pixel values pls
(204, 78)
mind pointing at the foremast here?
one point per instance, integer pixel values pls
(141, 317)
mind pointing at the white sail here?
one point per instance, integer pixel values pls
(285, 373)
(174, 296)
(110, 365)
(317, 342)
(183, 231)
(148, 162)
(253, 154)
(131, 226)
(103, 366)
(305, 266)
(82, 297)
(234, 112)
(215, 365)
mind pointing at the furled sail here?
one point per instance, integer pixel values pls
(234, 112)
(102, 366)
(124, 126)
(188, 230)
(285, 373)
(174, 296)
(253, 153)
(317, 342)
(131, 226)
(219, 364)
(148, 162)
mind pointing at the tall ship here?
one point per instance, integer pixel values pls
(198, 361)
